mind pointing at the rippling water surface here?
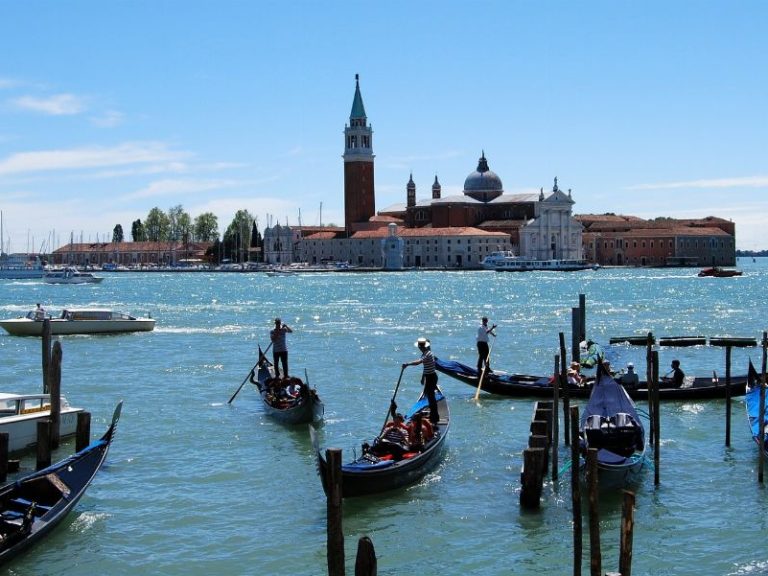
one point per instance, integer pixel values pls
(197, 486)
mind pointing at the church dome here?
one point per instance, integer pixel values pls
(483, 184)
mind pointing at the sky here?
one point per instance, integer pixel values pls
(109, 109)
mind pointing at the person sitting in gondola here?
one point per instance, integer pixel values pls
(677, 375)
(630, 380)
(574, 377)
(420, 431)
(394, 439)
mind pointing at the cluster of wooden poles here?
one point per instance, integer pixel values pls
(48, 429)
(544, 434)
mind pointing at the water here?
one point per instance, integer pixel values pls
(196, 486)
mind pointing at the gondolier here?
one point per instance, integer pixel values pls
(279, 347)
(483, 351)
(594, 355)
(429, 376)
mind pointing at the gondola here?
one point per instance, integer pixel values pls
(288, 400)
(753, 408)
(522, 385)
(611, 424)
(373, 471)
(32, 506)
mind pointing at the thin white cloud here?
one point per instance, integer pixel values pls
(171, 187)
(57, 105)
(6, 83)
(743, 182)
(85, 158)
(108, 119)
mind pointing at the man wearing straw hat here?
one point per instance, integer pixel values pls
(428, 378)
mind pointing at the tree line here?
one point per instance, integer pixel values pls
(176, 225)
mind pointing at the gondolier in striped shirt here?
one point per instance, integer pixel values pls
(428, 378)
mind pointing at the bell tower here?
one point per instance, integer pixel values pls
(359, 195)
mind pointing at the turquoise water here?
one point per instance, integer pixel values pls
(196, 486)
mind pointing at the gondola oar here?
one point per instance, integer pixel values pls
(261, 355)
(392, 402)
(485, 366)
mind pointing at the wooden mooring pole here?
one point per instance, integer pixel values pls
(83, 432)
(3, 456)
(43, 443)
(46, 352)
(653, 392)
(54, 385)
(335, 544)
(595, 556)
(365, 562)
(578, 529)
(761, 437)
(627, 533)
(555, 418)
(562, 380)
(728, 396)
(649, 379)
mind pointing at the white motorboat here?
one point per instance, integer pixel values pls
(78, 321)
(506, 261)
(19, 414)
(70, 275)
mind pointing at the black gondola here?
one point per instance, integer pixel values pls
(610, 424)
(32, 506)
(288, 400)
(371, 473)
(522, 385)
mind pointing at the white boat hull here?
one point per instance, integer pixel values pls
(22, 429)
(27, 327)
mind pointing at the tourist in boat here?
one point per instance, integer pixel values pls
(574, 377)
(677, 375)
(483, 351)
(280, 347)
(630, 379)
(429, 376)
(39, 312)
(394, 439)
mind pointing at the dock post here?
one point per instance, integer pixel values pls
(761, 437)
(3, 456)
(563, 381)
(582, 317)
(54, 385)
(653, 391)
(83, 433)
(627, 531)
(532, 478)
(365, 563)
(648, 379)
(335, 545)
(555, 418)
(578, 529)
(727, 396)
(43, 443)
(575, 335)
(595, 556)
(46, 352)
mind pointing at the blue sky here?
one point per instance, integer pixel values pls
(108, 109)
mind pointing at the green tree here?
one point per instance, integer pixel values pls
(180, 224)
(206, 227)
(257, 242)
(157, 226)
(238, 236)
(117, 234)
(137, 231)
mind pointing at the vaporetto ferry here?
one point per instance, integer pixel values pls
(507, 261)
